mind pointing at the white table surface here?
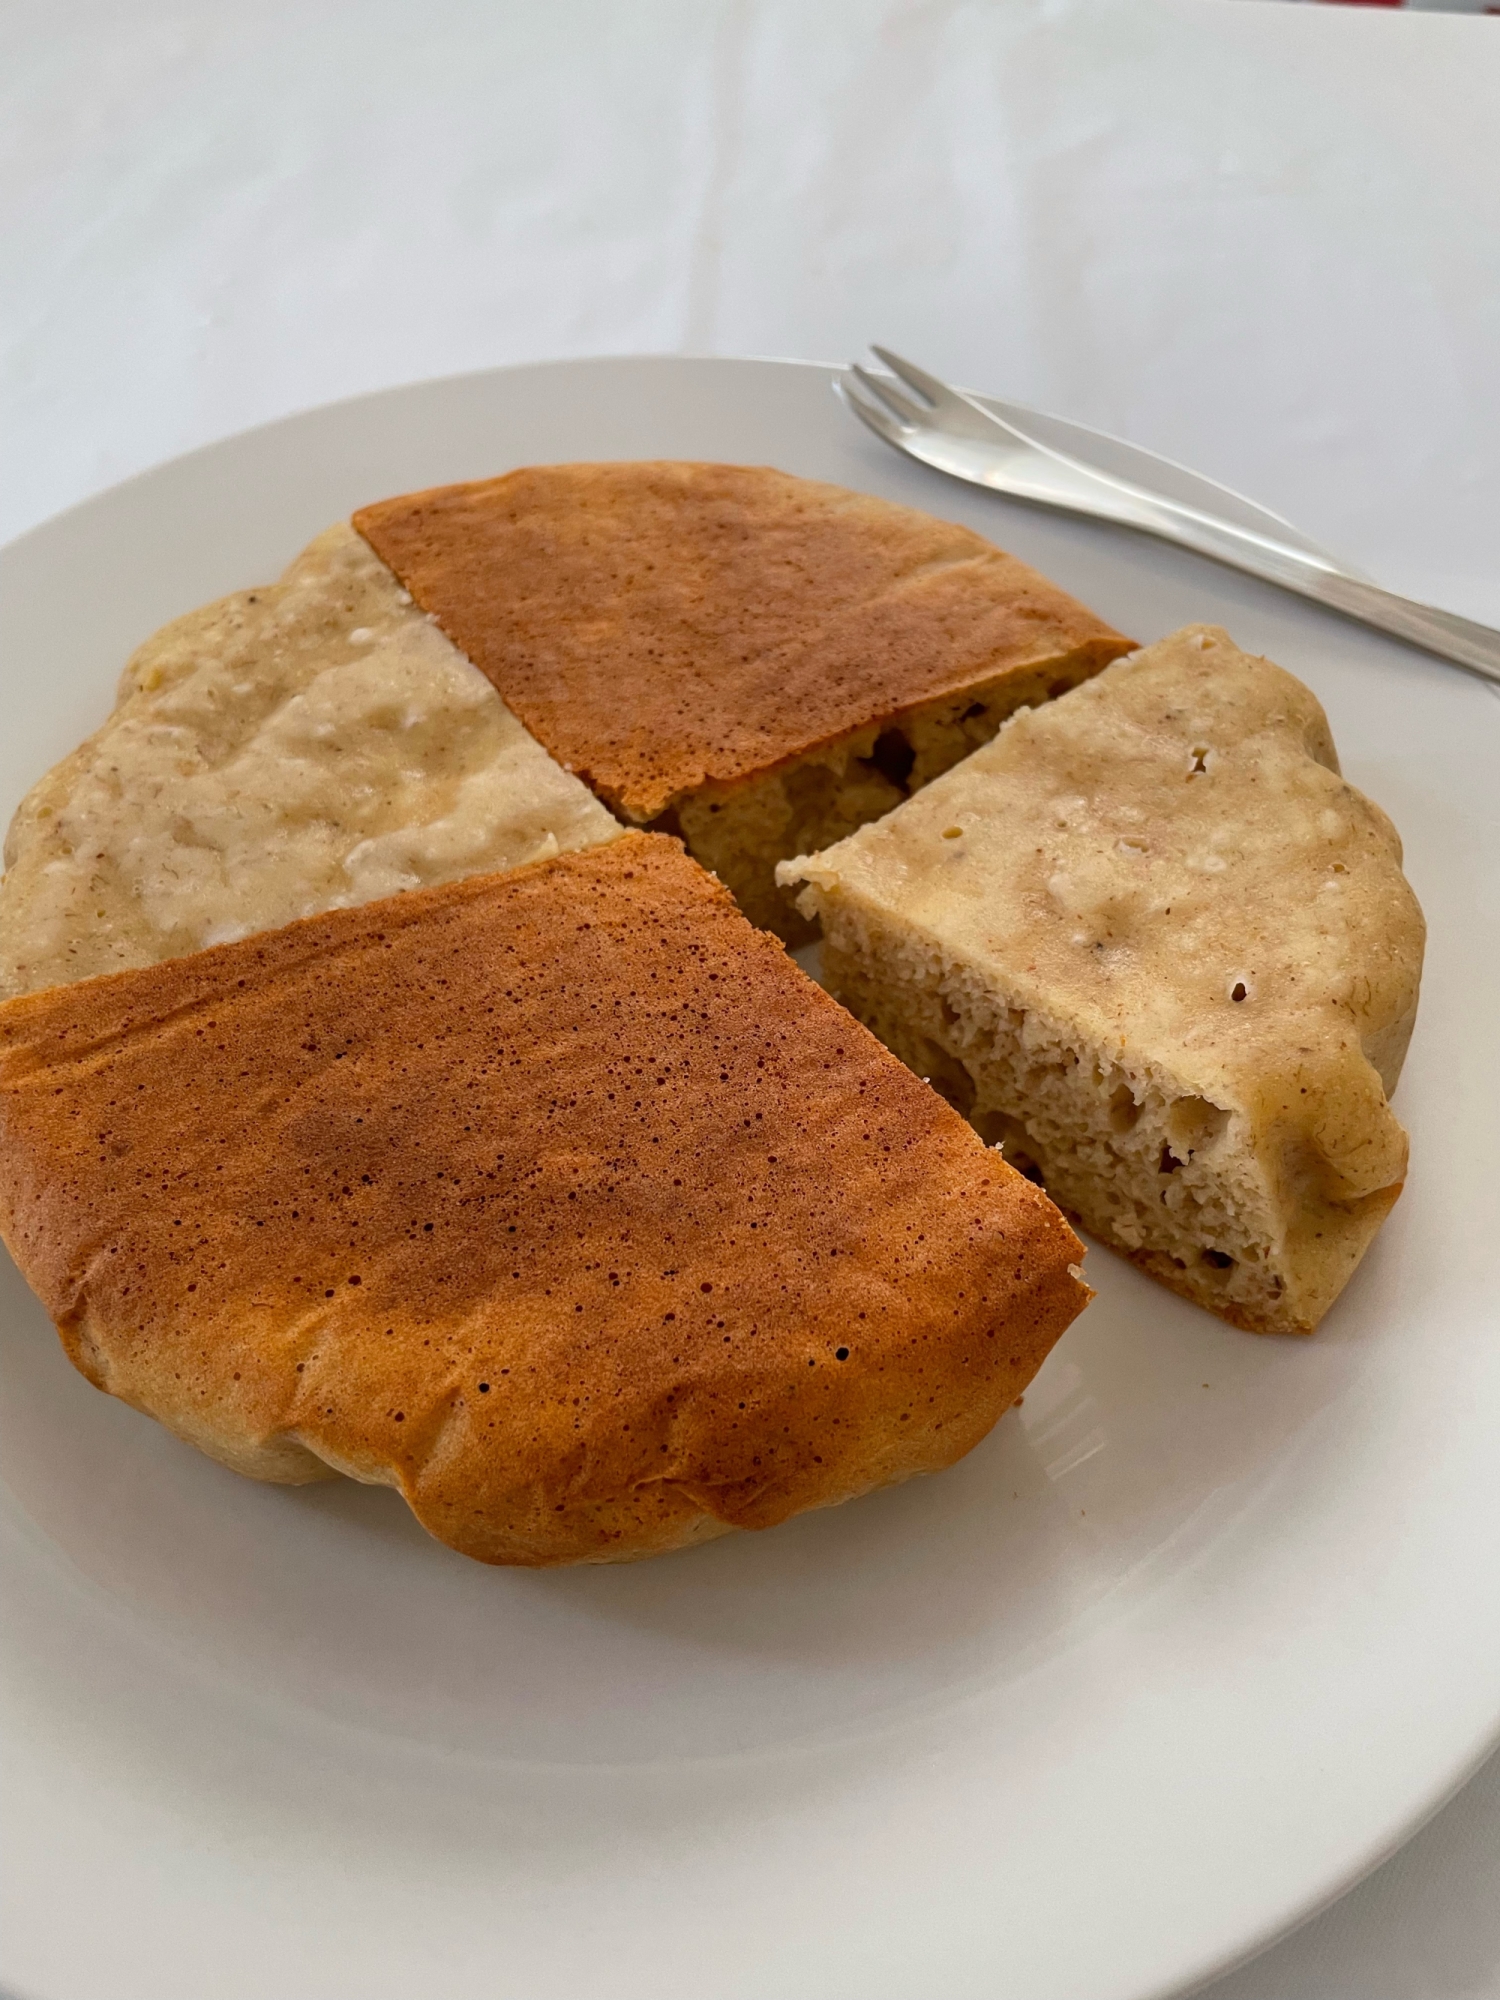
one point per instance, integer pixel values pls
(1263, 239)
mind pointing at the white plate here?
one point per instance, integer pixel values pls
(1196, 1636)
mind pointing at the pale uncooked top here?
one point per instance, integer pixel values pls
(303, 747)
(1169, 856)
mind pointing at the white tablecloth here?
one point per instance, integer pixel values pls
(1262, 239)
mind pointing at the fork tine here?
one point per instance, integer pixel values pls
(879, 421)
(937, 393)
(887, 393)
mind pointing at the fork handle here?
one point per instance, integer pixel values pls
(1462, 640)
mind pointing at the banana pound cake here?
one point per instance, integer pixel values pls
(1150, 941)
(756, 662)
(559, 1199)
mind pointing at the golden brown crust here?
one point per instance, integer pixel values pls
(1343, 1261)
(553, 1198)
(662, 625)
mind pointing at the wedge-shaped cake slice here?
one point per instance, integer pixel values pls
(314, 743)
(1150, 940)
(561, 1200)
(757, 662)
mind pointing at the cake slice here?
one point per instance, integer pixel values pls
(310, 744)
(560, 1199)
(757, 662)
(1151, 942)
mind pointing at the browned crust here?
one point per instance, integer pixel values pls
(661, 625)
(1371, 1210)
(551, 1197)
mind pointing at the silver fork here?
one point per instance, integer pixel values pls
(1032, 457)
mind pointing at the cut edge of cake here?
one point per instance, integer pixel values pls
(743, 829)
(1109, 1135)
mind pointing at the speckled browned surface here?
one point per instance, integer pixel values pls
(551, 1197)
(661, 625)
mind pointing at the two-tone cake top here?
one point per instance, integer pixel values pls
(658, 625)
